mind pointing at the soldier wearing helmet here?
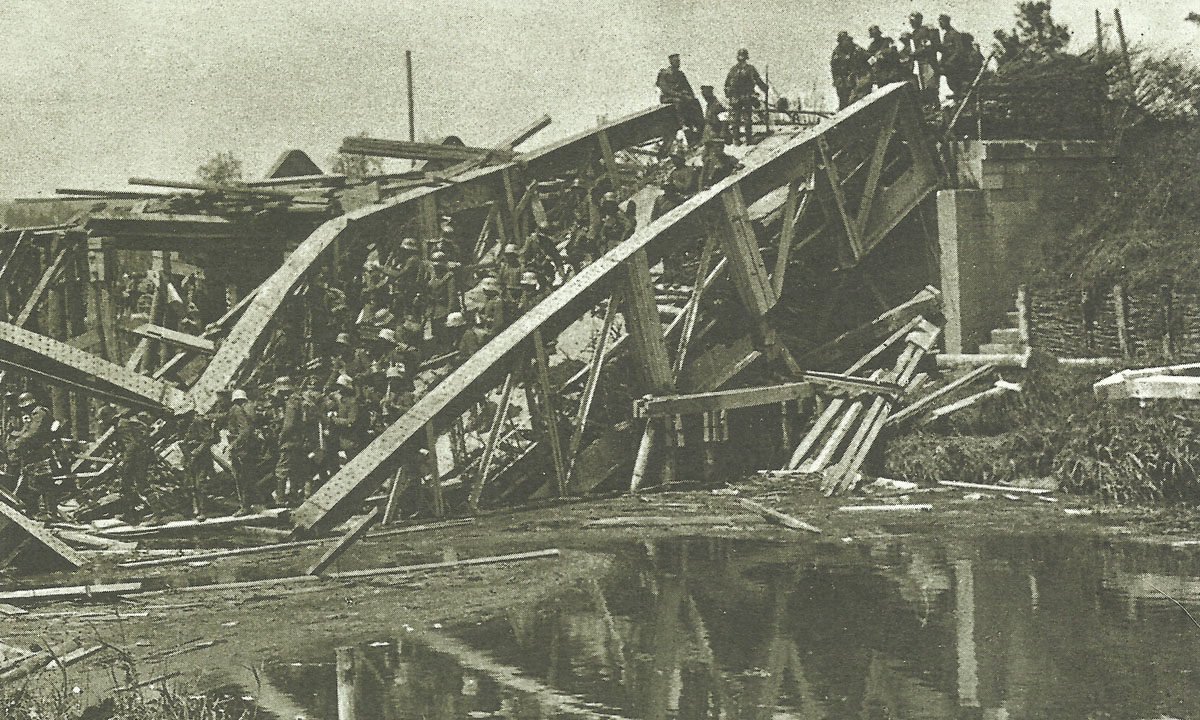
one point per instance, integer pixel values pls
(850, 69)
(30, 447)
(540, 255)
(508, 272)
(241, 422)
(443, 293)
(926, 44)
(613, 225)
(741, 84)
(398, 397)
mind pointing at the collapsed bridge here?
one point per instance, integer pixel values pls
(785, 256)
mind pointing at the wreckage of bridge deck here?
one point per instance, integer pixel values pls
(823, 202)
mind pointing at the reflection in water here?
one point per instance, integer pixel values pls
(1007, 627)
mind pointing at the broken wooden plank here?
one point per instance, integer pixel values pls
(624, 521)
(927, 302)
(407, 150)
(1017, 360)
(918, 406)
(695, 403)
(1001, 387)
(191, 343)
(73, 592)
(186, 525)
(75, 656)
(357, 529)
(902, 507)
(12, 610)
(778, 518)
(996, 488)
(467, 562)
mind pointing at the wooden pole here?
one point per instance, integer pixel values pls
(435, 475)
(1024, 313)
(1099, 34)
(1166, 295)
(1121, 306)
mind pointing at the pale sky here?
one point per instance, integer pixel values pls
(96, 91)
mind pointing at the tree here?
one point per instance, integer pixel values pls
(356, 167)
(221, 169)
(1193, 17)
(1036, 35)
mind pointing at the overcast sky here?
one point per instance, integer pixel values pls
(96, 91)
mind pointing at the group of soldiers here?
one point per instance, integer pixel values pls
(405, 320)
(925, 55)
(714, 125)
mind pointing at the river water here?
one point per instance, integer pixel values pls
(905, 627)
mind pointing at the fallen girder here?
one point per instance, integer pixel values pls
(471, 189)
(56, 361)
(870, 205)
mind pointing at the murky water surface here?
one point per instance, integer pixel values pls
(1004, 627)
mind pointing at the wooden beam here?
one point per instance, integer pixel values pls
(740, 244)
(39, 290)
(489, 450)
(695, 403)
(525, 133)
(876, 168)
(549, 413)
(793, 208)
(644, 326)
(357, 529)
(595, 367)
(420, 151)
(191, 343)
(926, 302)
(918, 406)
(839, 197)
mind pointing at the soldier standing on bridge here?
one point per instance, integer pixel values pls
(30, 446)
(675, 90)
(925, 47)
(850, 69)
(958, 63)
(740, 89)
(884, 59)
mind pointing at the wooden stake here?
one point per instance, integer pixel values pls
(1024, 315)
(1121, 306)
(341, 546)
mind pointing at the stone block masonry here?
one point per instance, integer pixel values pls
(1013, 198)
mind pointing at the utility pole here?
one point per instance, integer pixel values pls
(412, 130)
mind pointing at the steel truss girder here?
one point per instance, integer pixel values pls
(471, 189)
(59, 361)
(790, 163)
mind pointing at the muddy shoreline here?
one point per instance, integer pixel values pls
(251, 625)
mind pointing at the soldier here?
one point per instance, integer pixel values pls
(244, 447)
(30, 447)
(684, 177)
(406, 273)
(530, 295)
(398, 397)
(956, 60)
(345, 419)
(493, 313)
(296, 433)
(541, 255)
(509, 273)
(675, 90)
(133, 438)
(849, 68)
(196, 446)
(925, 47)
(718, 164)
(884, 58)
(714, 125)
(473, 338)
(456, 325)
(740, 85)
(612, 223)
